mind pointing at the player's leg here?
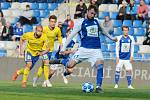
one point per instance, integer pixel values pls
(117, 73)
(46, 73)
(41, 69)
(69, 69)
(99, 76)
(53, 61)
(17, 73)
(70, 62)
(30, 62)
(52, 70)
(55, 65)
(46, 59)
(128, 67)
(26, 73)
(96, 59)
(38, 75)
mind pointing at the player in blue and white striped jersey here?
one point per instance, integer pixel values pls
(124, 56)
(90, 48)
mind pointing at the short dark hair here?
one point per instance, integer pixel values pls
(91, 1)
(28, 6)
(2, 15)
(39, 26)
(52, 17)
(125, 27)
(92, 7)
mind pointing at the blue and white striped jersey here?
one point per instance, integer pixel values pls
(125, 47)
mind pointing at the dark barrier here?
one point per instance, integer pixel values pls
(83, 72)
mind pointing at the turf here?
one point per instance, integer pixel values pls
(60, 91)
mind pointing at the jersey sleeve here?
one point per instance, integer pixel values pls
(75, 31)
(44, 29)
(132, 45)
(118, 46)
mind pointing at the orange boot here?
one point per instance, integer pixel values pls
(15, 75)
(24, 84)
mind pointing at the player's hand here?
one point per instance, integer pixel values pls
(140, 15)
(131, 59)
(115, 39)
(61, 52)
(61, 46)
(21, 53)
(64, 52)
(39, 53)
(120, 14)
(117, 60)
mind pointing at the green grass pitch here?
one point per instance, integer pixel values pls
(60, 91)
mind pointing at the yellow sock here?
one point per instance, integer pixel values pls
(46, 72)
(26, 74)
(20, 71)
(40, 71)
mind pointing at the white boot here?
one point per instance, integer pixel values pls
(34, 82)
(44, 84)
(116, 86)
(130, 87)
(48, 83)
(65, 79)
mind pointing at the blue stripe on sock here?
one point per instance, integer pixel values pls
(66, 73)
(99, 77)
(117, 77)
(129, 79)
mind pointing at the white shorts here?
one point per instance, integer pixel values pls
(54, 66)
(125, 63)
(91, 55)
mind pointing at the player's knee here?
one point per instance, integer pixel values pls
(70, 70)
(129, 71)
(29, 65)
(46, 62)
(51, 71)
(98, 62)
(71, 64)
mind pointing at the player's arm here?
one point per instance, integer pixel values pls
(75, 31)
(132, 49)
(117, 51)
(72, 50)
(75, 46)
(22, 41)
(46, 42)
(59, 37)
(109, 36)
(106, 33)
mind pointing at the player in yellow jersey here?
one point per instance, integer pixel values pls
(53, 32)
(35, 42)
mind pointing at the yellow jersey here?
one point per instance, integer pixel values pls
(34, 45)
(51, 35)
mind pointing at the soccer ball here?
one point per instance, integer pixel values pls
(87, 87)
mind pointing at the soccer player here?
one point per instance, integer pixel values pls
(62, 59)
(52, 32)
(59, 59)
(90, 48)
(35, 42)
(124, 56)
